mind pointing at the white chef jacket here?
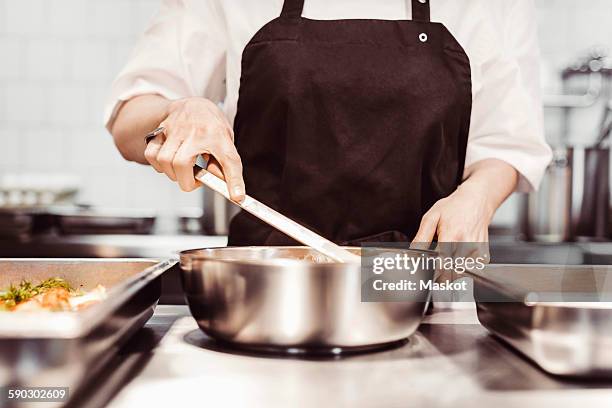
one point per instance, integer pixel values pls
(194, 48)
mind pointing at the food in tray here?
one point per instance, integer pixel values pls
(53, 294)
(316, 258)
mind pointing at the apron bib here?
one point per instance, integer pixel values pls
(354, 128)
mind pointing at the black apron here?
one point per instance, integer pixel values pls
(354, 128)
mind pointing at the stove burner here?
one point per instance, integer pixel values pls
(199, 339)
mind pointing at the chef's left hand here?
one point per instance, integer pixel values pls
(461, 223)
(461, 220)
(465, 215)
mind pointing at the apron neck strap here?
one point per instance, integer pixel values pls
(420, 10)
(292, 8)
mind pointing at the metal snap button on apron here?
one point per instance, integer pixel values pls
(423, 37)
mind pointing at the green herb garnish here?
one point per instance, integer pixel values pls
(25, 291)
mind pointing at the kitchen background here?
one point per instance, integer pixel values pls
(58, 58)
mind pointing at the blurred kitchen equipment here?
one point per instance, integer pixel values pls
(25, 199)
(190, 220)
(596, 66)
(37, 190)
(83, 220)
(558, 316)
(595, 59)
(267, 297)
(278, 221)
(22, 223)
(606, 126)
(591, 195)
(218, 212)
(574, 198)
(64, 349)
(585, 100)
(546, 215)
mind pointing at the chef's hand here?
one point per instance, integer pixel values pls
(465, 215)
(193, 127)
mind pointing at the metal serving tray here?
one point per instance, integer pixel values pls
(558, 316)
(64, 349)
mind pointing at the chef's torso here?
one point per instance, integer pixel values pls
(194, 48)
(352, 127)
(462, 18)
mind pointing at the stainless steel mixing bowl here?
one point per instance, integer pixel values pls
(270, 297)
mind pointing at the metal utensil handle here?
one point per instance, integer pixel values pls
(277, 220)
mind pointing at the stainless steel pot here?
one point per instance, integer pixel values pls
(270, 297)
(574, 198)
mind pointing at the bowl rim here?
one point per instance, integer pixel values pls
(192, 254)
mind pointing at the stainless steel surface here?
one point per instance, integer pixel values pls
(591, 193)
(451, 361)
(75, 221)
(190, 221)
(107, 246)
(26, 223)
(598, 66)
(65, 348)
(503, 249)
(530, 307)
(218, 212)
(16, 224)
(154, 133)
(278, 220)
(267, 296)
(569, 253)
(574, 198)
(585, 100)
(23, 223)
(547, 213)
(605, 127)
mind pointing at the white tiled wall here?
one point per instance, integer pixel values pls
(58, 57)
(57, 60)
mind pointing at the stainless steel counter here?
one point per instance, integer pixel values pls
(450, 362)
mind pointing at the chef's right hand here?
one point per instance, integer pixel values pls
(193, 127)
